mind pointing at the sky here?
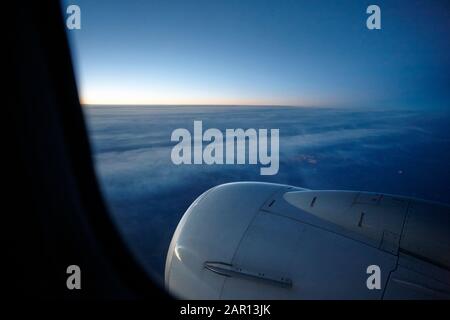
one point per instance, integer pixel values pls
(266, 52)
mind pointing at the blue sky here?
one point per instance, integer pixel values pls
(273, 52)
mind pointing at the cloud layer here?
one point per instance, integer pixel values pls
(396, 152)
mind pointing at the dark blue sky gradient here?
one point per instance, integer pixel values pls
(313, 53)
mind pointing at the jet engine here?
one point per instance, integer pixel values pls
(251, 240)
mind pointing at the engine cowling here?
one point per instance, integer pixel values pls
(251, 240)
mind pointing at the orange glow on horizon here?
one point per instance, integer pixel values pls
(140, 94)
(199, 101)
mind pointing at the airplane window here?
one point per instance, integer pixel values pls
(271, 124)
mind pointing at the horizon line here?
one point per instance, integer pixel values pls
(199, 104)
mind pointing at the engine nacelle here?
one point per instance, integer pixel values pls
(252, 240)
